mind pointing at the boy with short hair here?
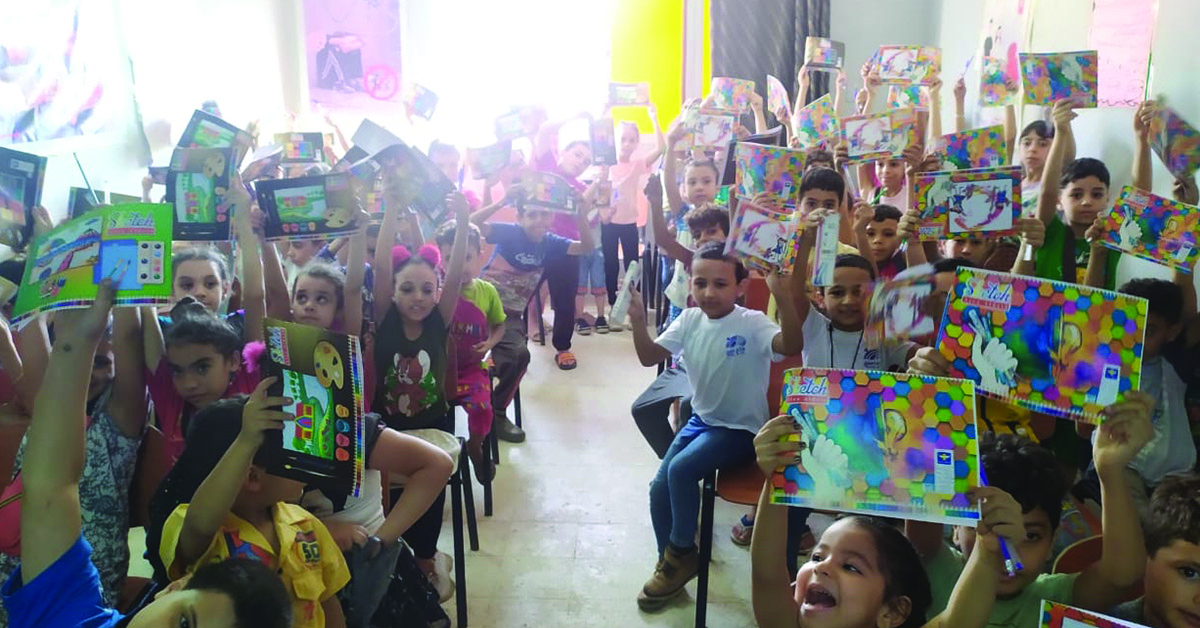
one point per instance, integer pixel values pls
(877, 232)
(729, 351)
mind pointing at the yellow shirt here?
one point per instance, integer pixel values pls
(309, 561)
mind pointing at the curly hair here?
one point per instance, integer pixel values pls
(1025, 470)
(1174, 513)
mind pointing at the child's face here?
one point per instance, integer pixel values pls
(200, 373)
(314, 302)
(843, 584)
(535, 222)
(711, 233)
(470, 265)
(699, 185)
(178, 607)
(883, 238)
(890, 172)
(575, 160)
(845, 300)
(301, 252)
(1034, 551)
(446, 160)
(819, 199)
(1033, 153)
(201, 280)
(1158, 333)
(1173, 586)
(629, 142)
(416, 291)
(1083, 199)
(973, 248)
(715, 287)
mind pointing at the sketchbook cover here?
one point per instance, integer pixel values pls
(870, 137)
(897, 312)
(883, 444)
(1176, 142)
(730, 94)
(1054, 76)
(489, 160)
(301, 148)
(901, 96)
(307, 208)
(263, 161)
(131, 244)
(1153, 228)
(197, 182)
(769, 170)
(1055, 615)
(908, 64)
(778, 101)
(21, 178)
(628, 94)
(956, 203)
(1048, 346)
(712, 130)
(604, 142)
(371, 137)
(816, 123)
(975, 148)
(520, 122)
(205, 130)
(422, 101)
(322, 372)
(764, 239)
(543, 190)
(425, 185)
(823, 53)
(993, 84)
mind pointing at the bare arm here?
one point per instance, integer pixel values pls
(458, 255)
(383, 288)
(427, 469)
(1143, 173)
(974, 594)
(790, 339)
(128, 401)
(153, 344)
(662, 235)
(674, 200)
(863, 215)
(481, 217)
(960, 115)
(660, 140)
(770, 584)
(587, 242)
(649, 352)
(356, 273)
(1063, 137)
(254, 295)
(760, 118)
(10, 360)
(33, 343)
(935, 110)
(334, 616)
(1010, 130)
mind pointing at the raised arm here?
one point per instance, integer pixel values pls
(1062, 114)
(392, 203)
(660, 140)
(1143, 174)
(54, 450)
(587, 242)
(480, 218)
(863, 215)
(771, 593)
(935, 110)
(662, 236)
(458, 255)
(808, 241)
(254, 294)
(760, 118)
(960, 115)
(670, 170)
(356, 272)
(128, 401)
(790, 339)
(10, 360)
(649, 352)
(975, 592)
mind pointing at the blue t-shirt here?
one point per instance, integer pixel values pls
(517, 262)
(65, 595)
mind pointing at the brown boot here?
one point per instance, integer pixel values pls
(673, 572)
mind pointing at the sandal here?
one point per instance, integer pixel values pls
(565, 360)
(742, 531)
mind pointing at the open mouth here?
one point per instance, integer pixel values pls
(817, 597)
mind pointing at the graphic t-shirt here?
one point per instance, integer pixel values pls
(410, 386)
(516, 265)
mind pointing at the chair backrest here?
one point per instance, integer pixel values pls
(775, 387)
(152, 467)
(1079, 555)
(758, 296)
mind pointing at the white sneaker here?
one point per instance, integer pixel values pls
(440, 577)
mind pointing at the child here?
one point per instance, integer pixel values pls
(477, 327)
(729, 350)
(591, 269)
(299, 253)
(1172, 558)
(229, 506)
(1035, 142)
(863, 573)
(628, 208)
(876, 230)
(56, 583)
(1029, 473)
(522, 251)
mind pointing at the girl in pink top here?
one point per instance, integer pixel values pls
(628, 202)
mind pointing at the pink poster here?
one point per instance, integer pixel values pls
(1122, 31)
(352, 51)
(1006, 33)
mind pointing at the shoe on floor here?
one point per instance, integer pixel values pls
(582, 328)
(481, 461)
(507, 431)
(742, 531)
(614, 326)
(437, 571)
(601, 325)
(672, 573)
(565, 360)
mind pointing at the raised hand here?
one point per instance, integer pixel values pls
(261, 413)
(771, 451)
(1127, 428)
(960, 89)
(1062, 113)
(1000, 516)
(1184, 191)
(929, 361)
(1032, 230)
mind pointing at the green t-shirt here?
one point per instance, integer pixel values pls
(1020, 611)
(1049, 257)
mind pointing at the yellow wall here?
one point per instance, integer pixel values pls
(647, 47)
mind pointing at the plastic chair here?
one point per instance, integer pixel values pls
(1082, 554)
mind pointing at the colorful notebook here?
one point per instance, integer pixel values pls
(1048, 346)
(629, 94)
(897, 311)
(421, 101)
(877, 136)
(489, 160)
(21, 178)
(604, 142)
(426, 185)
(816, 123)
(206, 130)
(263, 162)
(882, 444)
(197, 182)
(976, 148)
(901, 96)
(764, 239)
(777, 99)
(130, 244)
(1054, 76)
(904, 65)
(730, 94)
(301, 148)
(822, 53)
(1154, 228)
(520, 122)
(551, 192)
(769, 170)
(984, 202)
(322, 372)
(1176, 143)
(1055, 615)
(307, 208)
(993, 84)
(712, 130)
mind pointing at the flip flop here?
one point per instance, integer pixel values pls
(565, 360)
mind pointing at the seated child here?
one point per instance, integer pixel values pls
(223, 504)
(729, 351)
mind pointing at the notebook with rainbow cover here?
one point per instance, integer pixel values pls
(822, 53)
(1054, 76)
(551, 192)
(628, 94)
(955, 203)
(764, 239)
(1176, 142)
(778, 101)
(769, 170)
(905, 65)
(730, 94)
(131, 244)
(322, 372)
(882, 444)
(1161, 230)
(1048, 346)
(1055, 615)
(307, 208)
(816, 123)
(301, 148)
(974, 148)
(993, 84)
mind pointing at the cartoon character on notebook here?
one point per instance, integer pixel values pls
(337, 217)
(1130, 232)
(980, 208)
(213, 168)
(995, 362)
(822, 459)
(869, 135)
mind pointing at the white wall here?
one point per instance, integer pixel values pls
(864, 25)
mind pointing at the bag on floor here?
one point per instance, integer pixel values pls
(411, 601)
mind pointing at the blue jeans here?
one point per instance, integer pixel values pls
(698, 449)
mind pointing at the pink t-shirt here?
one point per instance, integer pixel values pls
(564, 225)
(628, 180)
(169, 407)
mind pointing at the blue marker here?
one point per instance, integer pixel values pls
(1012, 560)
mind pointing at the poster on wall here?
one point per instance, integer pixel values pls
(1005, 33)
(62, 73)
(1122, 32)
(352, 52)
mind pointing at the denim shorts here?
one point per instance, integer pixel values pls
(591, 273)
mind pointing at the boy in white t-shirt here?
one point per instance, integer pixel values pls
(729, 350)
